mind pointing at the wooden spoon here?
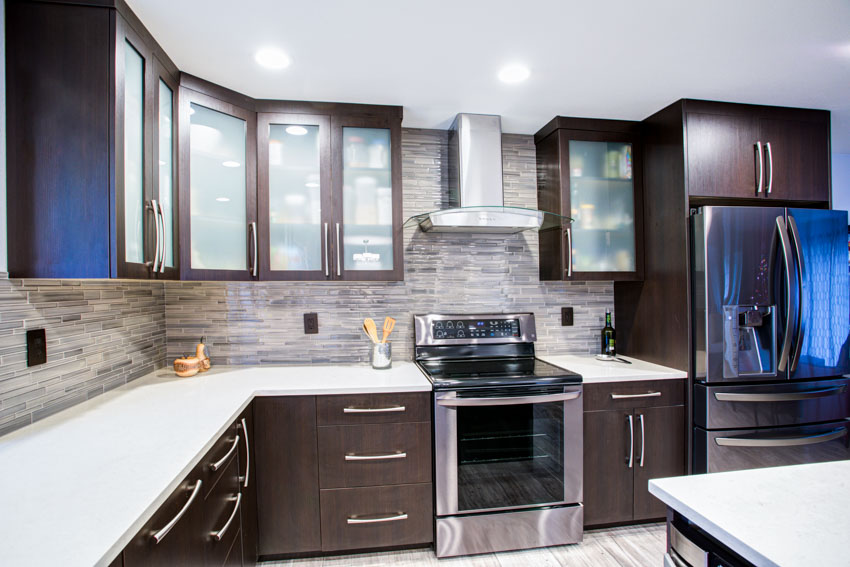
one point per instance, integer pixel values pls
(371, 329)
(389, 325)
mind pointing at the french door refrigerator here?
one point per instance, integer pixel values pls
(771, 324)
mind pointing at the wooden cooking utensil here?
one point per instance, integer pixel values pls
(371, 329)
(367, 333)
(389, 325)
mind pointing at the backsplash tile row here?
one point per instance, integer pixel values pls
(100, 334)
(262, 323)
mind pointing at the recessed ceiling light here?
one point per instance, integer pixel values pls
(272, 58)
(311, 184)
(230, 163)
(222, 199)
(296, 130)
(514, 73)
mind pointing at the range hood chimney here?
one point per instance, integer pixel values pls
(475, 183)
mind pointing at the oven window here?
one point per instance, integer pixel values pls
(510, 456)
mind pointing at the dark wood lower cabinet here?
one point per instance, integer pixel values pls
(608, 481)
(663, 455)
(248, 485)
(221, 517)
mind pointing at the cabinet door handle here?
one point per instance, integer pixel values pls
(373, 410)
(327, 252)
(642, 440)
(152, 207)
(162, 246)
(220, 533)
(631, 441)
(391, 518)
(254, 245)
(630, 396)
(220, 463)
(160, 535)
(761, 166)
(769, 168)
(569, 252)
(338, 253)
(398, 455)
(247, 454)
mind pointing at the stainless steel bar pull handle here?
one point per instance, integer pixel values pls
(373, 410)
(781, 442)
(327, 252)
(786, 255)
(162, 246)
(254, 246)
(569, 252)
(160, 535)
(154, 264)
(630, 396)
(769, 168)
(642, 440)
(338, 253)
(761, 167)
(399, 455)
(392, 518)
(780, 397)
(631, 460)
(220, 533)
(799, 331)
(220, 463)
(244, 427)
(513, 401)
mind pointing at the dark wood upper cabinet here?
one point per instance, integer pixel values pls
(743, 151)
(590, 171)
(81, 86)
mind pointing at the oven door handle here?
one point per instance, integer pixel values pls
(513, 401)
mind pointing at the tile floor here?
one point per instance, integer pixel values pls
(614, 547)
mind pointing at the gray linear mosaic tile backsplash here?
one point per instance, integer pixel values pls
(262, 323)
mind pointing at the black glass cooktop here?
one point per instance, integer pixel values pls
(489, 372)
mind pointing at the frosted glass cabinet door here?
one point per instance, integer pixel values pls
(294, 202)
(602, 206)
(367, 200)
(165, 169)
(134, 155)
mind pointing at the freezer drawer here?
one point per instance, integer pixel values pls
(769, 405)
(718, 451)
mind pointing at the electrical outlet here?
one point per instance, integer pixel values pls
(311, 323)
(566, 316)
(36, 347)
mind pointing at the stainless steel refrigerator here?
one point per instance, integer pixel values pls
(771, 324)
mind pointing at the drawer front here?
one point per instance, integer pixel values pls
(382, 516)
(372, 455)
(221, 516)
(634, 394)
(216, 460)
(359, 409)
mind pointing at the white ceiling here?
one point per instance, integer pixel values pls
(610, 59)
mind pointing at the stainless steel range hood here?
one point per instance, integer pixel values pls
(475, 195)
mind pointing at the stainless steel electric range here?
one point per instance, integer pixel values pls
(507, 435)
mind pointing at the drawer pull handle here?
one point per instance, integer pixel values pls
(781, 442)
(160, 535)
(220, 533)
(630, 396)
(393, 518)
(373, 410)
(781, 397)
(217, 465)
(398, 455)
(244, 427)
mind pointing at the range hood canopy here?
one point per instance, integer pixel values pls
(476, 199)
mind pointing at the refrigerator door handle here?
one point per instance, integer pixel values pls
(801, 276)
(786, 254)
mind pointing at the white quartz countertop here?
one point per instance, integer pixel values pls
(595, 371)
(784, 516)
(77, 486)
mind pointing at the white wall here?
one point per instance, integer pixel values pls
(2, 136)
(841, 182)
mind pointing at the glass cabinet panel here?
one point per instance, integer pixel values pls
(295, 204)
(602, 206)
(134, 155)
(166, 168)
(367, 199)
(218, 190)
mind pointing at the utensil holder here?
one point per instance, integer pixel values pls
(381, 356)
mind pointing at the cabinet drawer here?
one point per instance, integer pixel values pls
(382, 516)
(634, 394)
(221, 516)
(373, 408)
(214, 463)
(369, 455)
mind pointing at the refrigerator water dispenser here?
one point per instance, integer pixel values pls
(749, 341)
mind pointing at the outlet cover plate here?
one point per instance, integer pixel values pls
(566, 316)
(311, 323)
(36, 347)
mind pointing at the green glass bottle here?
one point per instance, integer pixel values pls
(609, 336)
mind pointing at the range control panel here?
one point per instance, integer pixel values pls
(475, 329)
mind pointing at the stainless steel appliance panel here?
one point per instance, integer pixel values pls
(822, 329)
(770, 405)
(737, 298)
(465, 535)
(739, 449)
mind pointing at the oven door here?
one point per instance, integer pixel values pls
(508, 448)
